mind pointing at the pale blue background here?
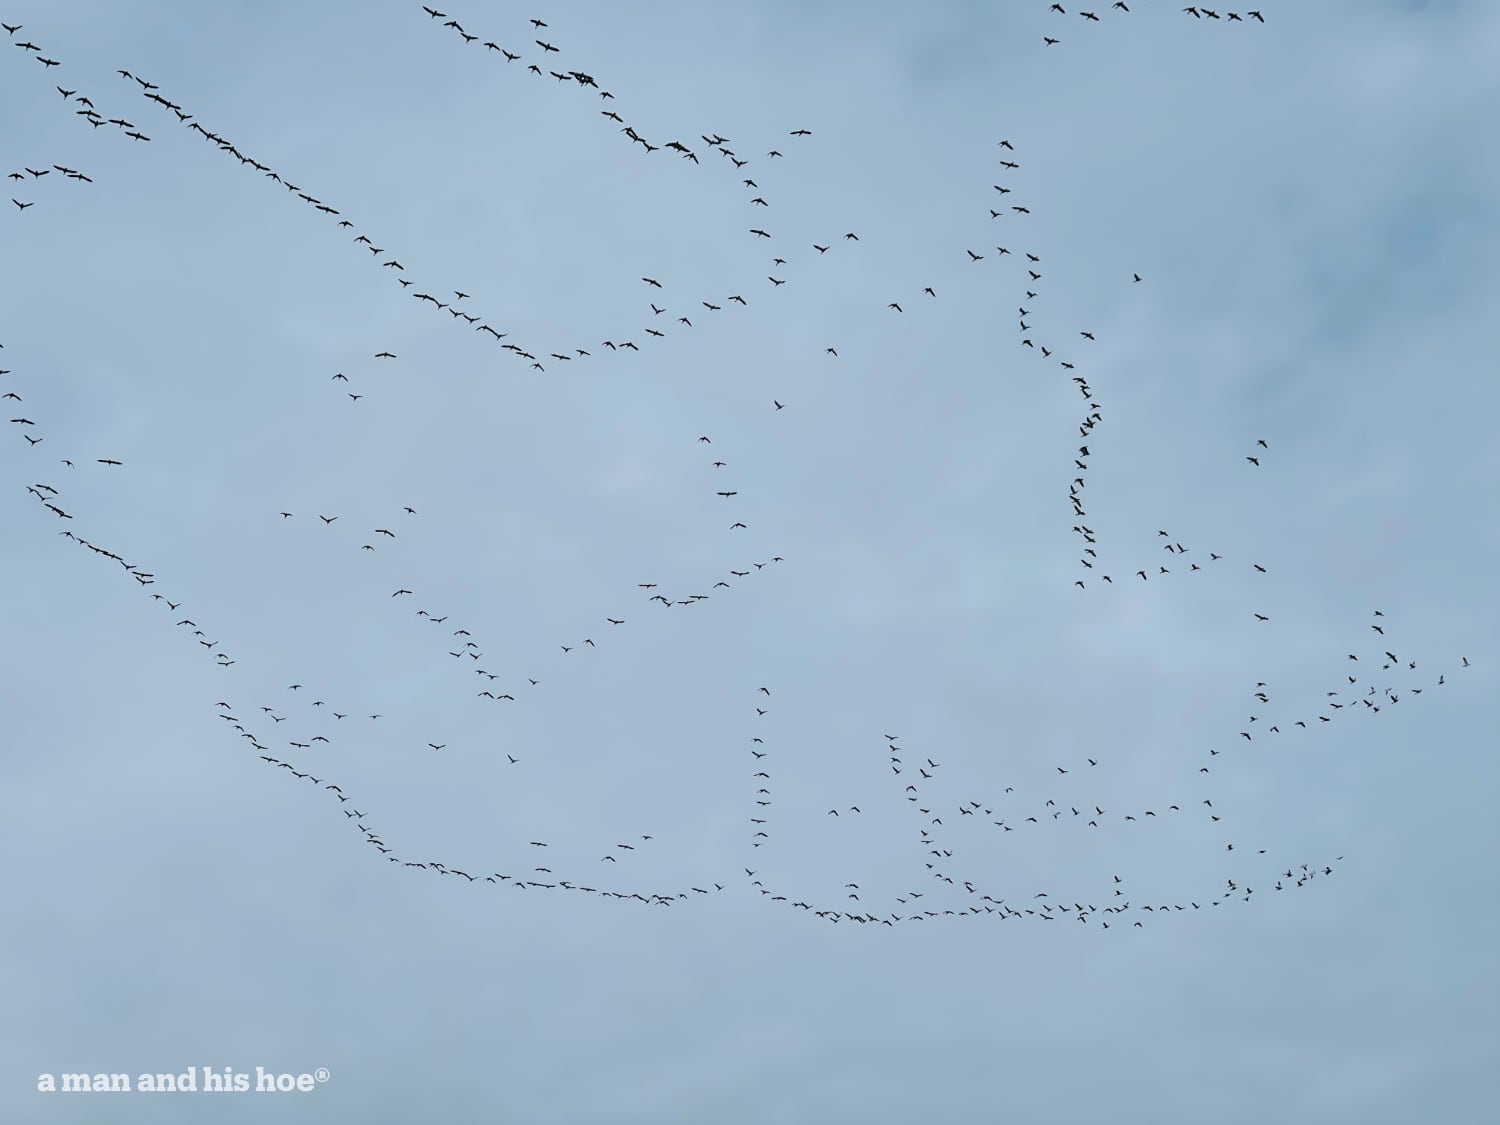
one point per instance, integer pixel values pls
(1312, 203)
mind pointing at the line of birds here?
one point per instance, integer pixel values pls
(1121, 6)
(150, 90)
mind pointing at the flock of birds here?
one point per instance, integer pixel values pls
(947, 814)
(1121, 6)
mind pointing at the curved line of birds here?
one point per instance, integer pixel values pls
(46, 494)
(150, 90)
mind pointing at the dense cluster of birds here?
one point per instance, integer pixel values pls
(948, 815)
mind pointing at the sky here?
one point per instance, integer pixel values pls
(758, 737)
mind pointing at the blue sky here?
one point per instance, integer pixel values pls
(1310, 205)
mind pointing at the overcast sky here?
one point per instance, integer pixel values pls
(1279, 232)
